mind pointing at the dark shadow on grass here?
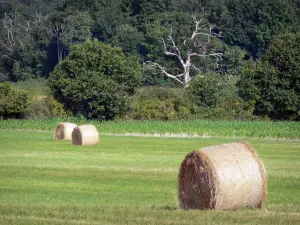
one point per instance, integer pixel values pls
(167, 207)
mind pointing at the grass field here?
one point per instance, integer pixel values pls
(127, 180)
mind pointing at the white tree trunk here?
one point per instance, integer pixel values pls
(187, 70)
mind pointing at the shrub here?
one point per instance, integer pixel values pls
(217, 97)
(205, 90)
(13, 102)
(38, 110)
(160, 103)
(56, 108)
(34, 87)
(45, 107)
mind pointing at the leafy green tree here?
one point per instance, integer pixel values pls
(13, 103)
(276, 17)
(251, 25)
(70, 27)
(272, 86)
(14, 37)
(205, 90)
(238, 20)
(31, 60)
(233, 60)
(95, 80)
(25, 36)
(146, 10)
(108, 16)
(128, 38)
(217, 97)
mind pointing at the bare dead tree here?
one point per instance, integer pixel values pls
(59, 30)
(16, 34)
(59, 48)
(194, 48)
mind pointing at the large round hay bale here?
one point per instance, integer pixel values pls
(85, 135)
(222, 177)
(64, 131)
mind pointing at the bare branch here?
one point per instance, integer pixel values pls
(195, 68)
(6, 56)
(205, 55)
(176, 53)
(166, 52)
(8, 48)
(8, 24)
(17, 34)
(175, 47)
(201, 29)
(10, 38)
(152, 65)
(180, 75)
(173, 43)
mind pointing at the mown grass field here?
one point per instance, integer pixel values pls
(127, 180)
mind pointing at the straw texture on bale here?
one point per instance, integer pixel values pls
(64, 131)
(222, 177)
(85, 135)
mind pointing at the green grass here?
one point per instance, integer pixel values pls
(251, 129)
(127, 180)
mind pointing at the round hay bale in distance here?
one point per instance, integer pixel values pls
(222, 177)
(64, 131)
(85, 135)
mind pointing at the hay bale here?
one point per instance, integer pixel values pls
(85, 135)
(64, 131)
(222, 177)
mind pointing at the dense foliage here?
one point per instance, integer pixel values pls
(13, 102)
(160, 103)
(272, 86)
(95, 80)
(36, 36)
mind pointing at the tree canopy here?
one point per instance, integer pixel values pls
(95, 80)
(272, 86)
(35, 35)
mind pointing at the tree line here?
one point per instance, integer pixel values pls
(246, 58)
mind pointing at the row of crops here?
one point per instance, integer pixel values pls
(253, 129)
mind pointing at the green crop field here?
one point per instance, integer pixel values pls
(127, 180)
(248, 129)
